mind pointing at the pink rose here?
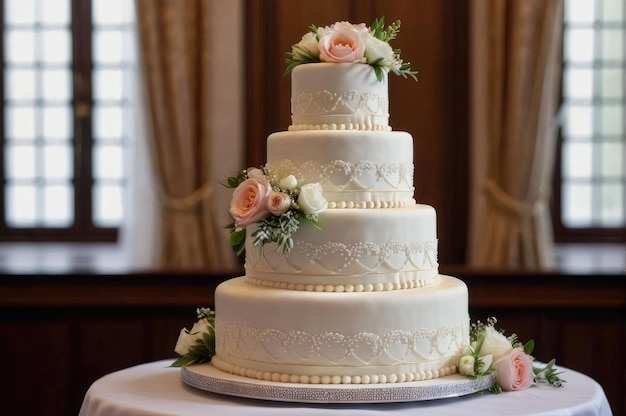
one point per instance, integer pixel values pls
(249, 202)
(515, 371)
(278, 203)
(342, 43)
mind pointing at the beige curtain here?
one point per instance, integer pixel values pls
(515, 49)
(173, 41)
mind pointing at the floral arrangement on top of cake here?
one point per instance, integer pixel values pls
(344, 42)
(277, 203)
(491, 351)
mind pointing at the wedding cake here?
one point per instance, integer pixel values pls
(341, 279)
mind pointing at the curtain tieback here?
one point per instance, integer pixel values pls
(189, 201)
(510, 204)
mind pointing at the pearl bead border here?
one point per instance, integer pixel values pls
(344, 288)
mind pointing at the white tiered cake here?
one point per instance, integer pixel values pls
(356, 296)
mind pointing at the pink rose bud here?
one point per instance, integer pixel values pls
(515, 371)
(278, 203)
(342, 46)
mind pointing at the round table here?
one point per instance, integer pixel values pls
(157, 389)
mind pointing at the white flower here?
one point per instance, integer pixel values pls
(187, 338)
(466, 365)
(495, 344)
(289, 183)
(311, 200)
(376, 49)
(487, 360)
(307, 47)
(256, 173)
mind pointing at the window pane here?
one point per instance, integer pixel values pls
(112, 12)
(20, 123)
(20, 84)
(56, 122)
(108, 162)
(613, 10)
(612, 214)
(55, 11)
(57, 206)
(612, 159)
(579, 45)
(57, 162)
(20, 161)
(612, 45)
(107, 205)
(611, 119)
(56, 84)
(20, 11)
(21, 204)
(108, 84)
(584, 12)
(578, 83)
(578, 121)
(56, 46)
(20, 46)
(108, 46)
(577, 205)
(577, 160)
(107, 122)
(612, 82)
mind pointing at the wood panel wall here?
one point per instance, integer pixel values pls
(433, 37)
(59, 334)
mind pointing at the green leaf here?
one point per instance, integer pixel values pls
(529, 347)
(184, 360)
(379, 73)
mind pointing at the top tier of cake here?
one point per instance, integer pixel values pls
(331, 96)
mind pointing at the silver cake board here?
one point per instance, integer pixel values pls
(208, 378)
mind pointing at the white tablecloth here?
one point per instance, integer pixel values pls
(156, 389)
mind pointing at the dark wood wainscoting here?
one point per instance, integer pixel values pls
(61, 333)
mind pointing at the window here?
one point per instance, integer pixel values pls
(65, 118)
(592, 169)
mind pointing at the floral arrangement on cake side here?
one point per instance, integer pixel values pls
(277, 203)
(491, 351)
(196, 345)
(344, 42)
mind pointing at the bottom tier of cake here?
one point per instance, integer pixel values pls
(318, 337)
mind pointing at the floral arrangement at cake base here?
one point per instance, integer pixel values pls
(491, 351)
(345, 42)
(196, 345)
(276, 201)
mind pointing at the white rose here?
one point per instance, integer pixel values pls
(307, 47)
(495, 344)
(289, 182)
(487, 360)
(188, 338)
(376, 49)
(466, 365)
(256, 173)
(311, 200)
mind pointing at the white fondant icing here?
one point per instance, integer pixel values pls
(418, 331)
(338, 96)
(356, 169)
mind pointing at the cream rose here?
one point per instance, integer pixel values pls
(342, 43)
(307, 47)
(495, 344)
(466, 365)
(311, 200)
(278, 203)
(289, 182)
(249, 201)
(515, 371)
(376, 49)
(187, 338)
